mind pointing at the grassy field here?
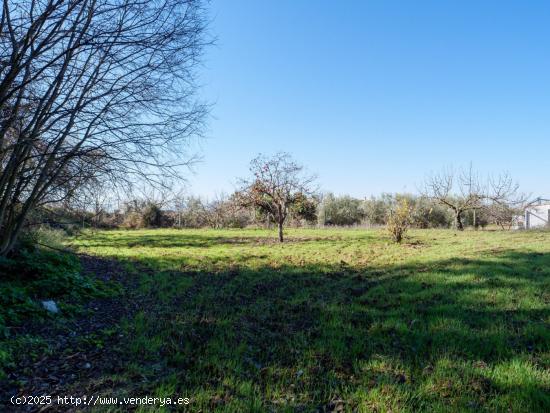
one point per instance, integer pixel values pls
(337, 320)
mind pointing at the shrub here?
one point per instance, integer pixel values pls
(132, 220)
(151, 216)
(399, 219)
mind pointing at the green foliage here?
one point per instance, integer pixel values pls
(45, 235)
(304, 207)
(345, 211)
(151, 216)
(429, 214)
(16, 305)
(340, 211)
(31, 275)
(143, 215)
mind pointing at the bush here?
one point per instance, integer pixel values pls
(132, 220)
(303, 209)
(399, 219)
(45, 274)
(151, 216)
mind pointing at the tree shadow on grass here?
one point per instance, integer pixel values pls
(450, 335)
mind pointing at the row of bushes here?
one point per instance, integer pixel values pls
(328, 210)
(374, 211)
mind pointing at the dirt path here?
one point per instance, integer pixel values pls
(79, 353)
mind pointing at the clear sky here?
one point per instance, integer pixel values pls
(373, 95)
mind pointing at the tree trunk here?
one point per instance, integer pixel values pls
(8, 239)
(458, 221)
(280, 231)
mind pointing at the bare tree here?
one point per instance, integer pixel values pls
(277, 183)
(460, 191)
(92, 87)
(218, 210)
(179, 206)
(90, 201)
(502, 215)
(464, 190)
(504, 202)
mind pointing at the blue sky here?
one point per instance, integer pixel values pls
(373, 95)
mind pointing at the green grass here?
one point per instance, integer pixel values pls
(332, 319)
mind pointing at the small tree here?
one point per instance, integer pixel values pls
(460, 192)
(277, 184)
(399, 219)
(503, 214)
(504, 201)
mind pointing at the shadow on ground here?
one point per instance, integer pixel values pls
(454, 335)
(458, 334)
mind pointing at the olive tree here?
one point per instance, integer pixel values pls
(340, 210)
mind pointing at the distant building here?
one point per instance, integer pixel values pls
(537, 215)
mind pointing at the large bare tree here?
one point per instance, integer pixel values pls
(276, 185)
(92, 87)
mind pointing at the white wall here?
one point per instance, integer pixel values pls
(537, 216)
